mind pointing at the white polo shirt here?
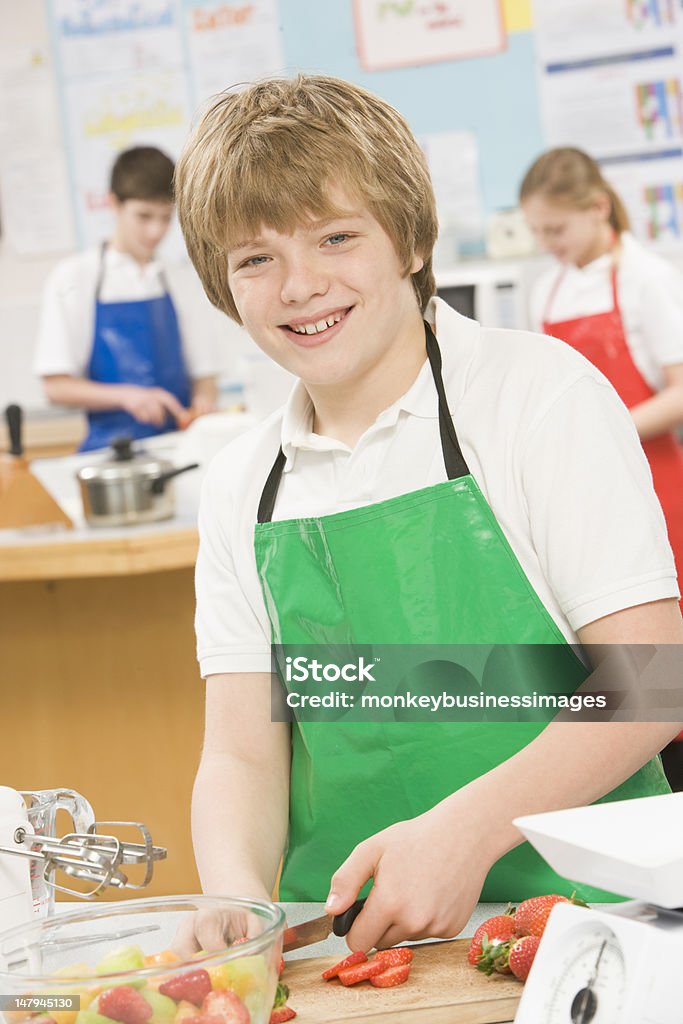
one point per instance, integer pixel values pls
(544, 434)
(67, 316)
(650, 292)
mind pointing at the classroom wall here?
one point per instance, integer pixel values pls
(494, 97)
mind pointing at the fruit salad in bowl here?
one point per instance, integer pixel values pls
(169, 960)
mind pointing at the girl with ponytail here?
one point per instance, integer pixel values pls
(617, 303)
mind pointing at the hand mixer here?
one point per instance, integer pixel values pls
(94, 857)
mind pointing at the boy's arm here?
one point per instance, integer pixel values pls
(148, 405)
(459, 840)
(240, 804)
(204, 395)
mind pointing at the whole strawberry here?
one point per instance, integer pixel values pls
(496, 929)
(192, 986)
(532, 915)
(125, 1004)
(521, 955)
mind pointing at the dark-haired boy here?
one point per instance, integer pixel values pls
(111, 339)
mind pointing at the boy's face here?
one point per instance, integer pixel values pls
(140, 226)
(329, 302)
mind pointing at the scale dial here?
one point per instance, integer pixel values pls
(590, 979)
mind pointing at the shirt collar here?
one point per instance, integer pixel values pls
(117, 259)
(457, 337)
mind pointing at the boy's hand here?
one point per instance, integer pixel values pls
(149, 405)
(202, 404)
(427, 874)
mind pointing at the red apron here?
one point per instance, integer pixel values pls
(602, 340)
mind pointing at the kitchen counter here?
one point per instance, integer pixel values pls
(304, 986)
(100, 681)
(51, 553)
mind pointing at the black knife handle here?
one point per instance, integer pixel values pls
(342, 922)
(13, 416)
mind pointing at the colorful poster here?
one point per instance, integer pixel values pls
(611, 82)
(612, 109)
(230, 44)
(112, 114)
(581, 29)
(392, 33)
(652, 190)
(97, 37)
(132, 72)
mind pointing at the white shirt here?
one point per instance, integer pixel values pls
(550, 444)
(67, 318)
(650, 293)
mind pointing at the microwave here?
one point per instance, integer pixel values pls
(492, 292)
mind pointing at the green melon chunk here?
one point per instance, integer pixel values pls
(91, 1017)
(163, 1007)
(128, 958)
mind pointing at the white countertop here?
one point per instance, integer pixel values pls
(297, 913)
(199, 443)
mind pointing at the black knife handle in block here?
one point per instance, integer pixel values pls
(342, 922)
(13, 415)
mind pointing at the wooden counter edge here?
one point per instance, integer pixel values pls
(112, 556)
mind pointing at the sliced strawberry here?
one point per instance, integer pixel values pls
(522, 955)
(499, 928)
(282, 1014)
(227, 1005)
(354, 958)
(360, 972)
(394, 957)
(392, 976)
(124, 1003)
(192, 986)
(281, 967)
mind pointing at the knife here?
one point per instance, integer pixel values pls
(14, 416)
(321, 927)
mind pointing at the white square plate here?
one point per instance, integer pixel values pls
(632, 848)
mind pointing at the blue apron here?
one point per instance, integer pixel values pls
(136, 342)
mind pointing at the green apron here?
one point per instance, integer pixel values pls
(429, 567)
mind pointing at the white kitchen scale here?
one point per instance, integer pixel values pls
(624, 964)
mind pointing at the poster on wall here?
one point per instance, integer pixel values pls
(230, 43)
(111, 115)
(133, 72)
(611, 82)
(453, 159)
(107, 36)
(36, 214)
(122, 83)
(398, 33)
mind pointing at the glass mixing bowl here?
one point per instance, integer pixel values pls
(121, 963)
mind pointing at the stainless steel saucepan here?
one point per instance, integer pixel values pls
(129, 487)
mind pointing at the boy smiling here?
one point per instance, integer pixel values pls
(428, 482)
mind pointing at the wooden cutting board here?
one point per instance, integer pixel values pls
(442, 989)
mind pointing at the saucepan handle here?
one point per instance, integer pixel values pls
(158, 485)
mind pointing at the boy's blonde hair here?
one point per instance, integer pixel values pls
(570, 177)
(270, 155)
